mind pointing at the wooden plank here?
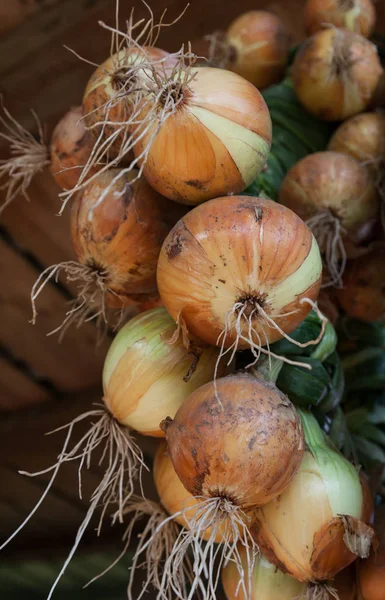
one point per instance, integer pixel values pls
(72, 365)
(35, 225)
(18, 390)
(14, 12)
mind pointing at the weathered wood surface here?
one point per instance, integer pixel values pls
(36, 71)
(75, 363)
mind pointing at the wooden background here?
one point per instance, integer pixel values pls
(43, 384)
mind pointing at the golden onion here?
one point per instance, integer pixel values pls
(146, 378)
(318, 525)
(214, 140)
(258, 47)
(363, 138)
(337, 198)
(234, 444)
(358, 16)
(335, 74)
(71, 147)
(267, 582)
(247, 447)
(108, 99)
(236, 271)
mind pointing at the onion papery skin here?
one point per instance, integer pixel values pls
(358, 16)
(143, 376)
(232, 248)
(172, 494)
(260, 47)
(267, 582)
(332, 87)
(301, 531)
(247, 450)
(363, 138)
(71, 146)
(101, 91)
(330, 181)
(363, 294)
(120, 235)
(215, 143)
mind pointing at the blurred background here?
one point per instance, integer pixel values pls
(44, 384)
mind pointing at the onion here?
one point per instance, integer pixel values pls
(71, 147)
(145, 378)
(118, 225)
(108, 96)
(335, 74)
(356, 15)
(362, 137)
(256, 46)
(335, 196)
(236, 272)
(267, 582)
(363, 294)
(232, 457)
(213, 139)
(317, 526)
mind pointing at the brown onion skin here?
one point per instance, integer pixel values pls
(363, 138)
(123, 236)
(71, 146)
(216, 239)
(332, 12)
(248, 451)
(171, 491)
(263, 65)
(363, 294)
(99, 91)
(336, 182)
(336, 93)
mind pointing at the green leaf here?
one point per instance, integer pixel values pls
(305, 388)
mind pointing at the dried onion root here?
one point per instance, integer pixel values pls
(29, 156)
(122, 462)
(118, 225)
